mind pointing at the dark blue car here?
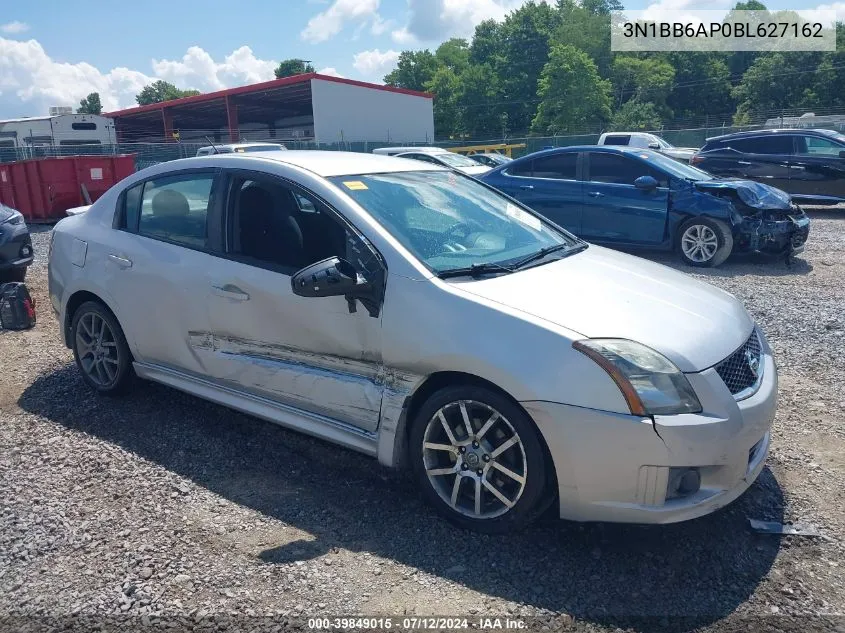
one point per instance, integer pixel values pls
(631, 197)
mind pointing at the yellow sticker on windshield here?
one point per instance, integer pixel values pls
(354, 185)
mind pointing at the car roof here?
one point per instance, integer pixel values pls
(614, 149)
(767, 132)
(236, 145)
(329, 163)
(423, 149)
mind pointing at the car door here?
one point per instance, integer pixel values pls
(617, 211)
(550, 186)
(158, 264)
(816, 168)
(763, 158)
(314, 355)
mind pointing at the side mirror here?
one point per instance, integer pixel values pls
(336, 277)
(654, 145)
(331, 277)
(646, 183)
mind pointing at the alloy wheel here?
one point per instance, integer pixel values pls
(699, 243)
(97, 348)
(474, 459)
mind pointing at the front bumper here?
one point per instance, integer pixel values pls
(780, 234)
(15, 246)
(614, 467)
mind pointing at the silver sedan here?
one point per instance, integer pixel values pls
(418, 316)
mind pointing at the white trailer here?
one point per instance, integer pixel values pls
(59, 130)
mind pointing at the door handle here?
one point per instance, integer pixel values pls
(527, 187)
(230, 291)
(123, 262)
(595, 194)
(742, 162)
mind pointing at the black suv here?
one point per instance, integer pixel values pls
(809, 164)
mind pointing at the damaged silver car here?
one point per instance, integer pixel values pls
(418, 316)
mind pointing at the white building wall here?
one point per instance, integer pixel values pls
(345, 112)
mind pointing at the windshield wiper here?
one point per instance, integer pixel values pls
(548, 250)
(474, 270)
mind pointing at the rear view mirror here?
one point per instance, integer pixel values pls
(654, 145)
(646, 183)
(331, 277)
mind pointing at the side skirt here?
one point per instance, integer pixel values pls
(289, 417)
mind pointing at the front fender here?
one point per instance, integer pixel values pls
(686, 202)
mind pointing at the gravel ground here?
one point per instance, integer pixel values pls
(162, 509)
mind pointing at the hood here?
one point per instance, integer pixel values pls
(600, 293)
(6, 212)
(754, 194)
(475, 170)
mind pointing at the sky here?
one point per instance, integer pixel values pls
(56, 53)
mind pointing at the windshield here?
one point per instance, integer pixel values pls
(449, 221)
(675, 168)
(455, 160)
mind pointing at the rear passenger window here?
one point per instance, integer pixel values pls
(621, 170)
(522, 169)
(559, 167)
(774, 144)
(175, 209)
(131, 208)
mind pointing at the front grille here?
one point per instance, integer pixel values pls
(741, 370)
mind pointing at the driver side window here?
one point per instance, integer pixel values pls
(271, 225)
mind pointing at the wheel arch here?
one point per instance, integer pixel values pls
(75, 300)
(432, 383)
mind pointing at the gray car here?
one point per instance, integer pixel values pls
(418, 316)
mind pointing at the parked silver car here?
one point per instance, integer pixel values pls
(416, 315)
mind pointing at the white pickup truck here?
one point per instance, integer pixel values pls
(650, 141)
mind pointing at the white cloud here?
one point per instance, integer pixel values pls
(438, 20)
(13, 28)
(31, 81)
(199, 71)
(330, 22)
(375, 63)
(331, 71)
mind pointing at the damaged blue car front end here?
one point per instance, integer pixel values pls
(763, 219)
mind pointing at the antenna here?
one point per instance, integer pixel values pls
(213, 146)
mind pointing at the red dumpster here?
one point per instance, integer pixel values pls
(44, 188)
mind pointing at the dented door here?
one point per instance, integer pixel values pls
(309, 353)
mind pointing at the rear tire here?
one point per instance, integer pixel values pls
(704, 242)
(100, 349)
(492, 479)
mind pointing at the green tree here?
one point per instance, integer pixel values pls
(159, 91)
(289, 67)
(453, 54)
(90, 104)
(702, 86)
(636, 115)
(413, 71)
(586, 30)
(573, 96)
(526, 37)
(646, 79)
(778, 81)
(479, 101)
(446, 87)
(487, 45)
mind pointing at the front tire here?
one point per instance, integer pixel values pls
(478, 459)
(100, 349)
(704, 242)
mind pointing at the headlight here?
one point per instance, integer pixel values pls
(650, 383)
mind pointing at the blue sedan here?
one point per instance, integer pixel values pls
(630, 197)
